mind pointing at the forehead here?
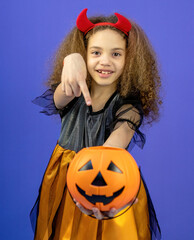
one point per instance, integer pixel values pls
(106, 38)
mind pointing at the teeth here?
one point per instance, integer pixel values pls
(103, 72)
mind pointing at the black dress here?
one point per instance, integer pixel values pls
(54, 215)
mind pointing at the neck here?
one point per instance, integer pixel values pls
(100, 95)
(100, 92)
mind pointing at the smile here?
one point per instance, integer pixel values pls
(99, 198)
(104, 72)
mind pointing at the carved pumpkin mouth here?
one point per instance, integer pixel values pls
(99, 198)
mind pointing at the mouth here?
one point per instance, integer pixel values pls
(100, 198)
(104, 71)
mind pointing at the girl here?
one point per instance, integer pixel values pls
(105, 82)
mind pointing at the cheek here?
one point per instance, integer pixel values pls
(122, 65)
(91, 63)
(120, 68)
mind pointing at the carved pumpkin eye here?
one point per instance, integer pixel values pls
(114, 168)
(87, 166)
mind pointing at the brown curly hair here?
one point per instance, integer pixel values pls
(140, 77)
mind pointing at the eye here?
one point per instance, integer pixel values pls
(87, 166)
(116, 54)
(114, 168)
(96, 53)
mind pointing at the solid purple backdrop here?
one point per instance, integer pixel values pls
(30, 34)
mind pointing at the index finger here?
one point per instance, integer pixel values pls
(85, 92)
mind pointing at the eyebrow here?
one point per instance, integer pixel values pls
(114, 49)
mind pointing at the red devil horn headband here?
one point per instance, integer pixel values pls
(84, 24)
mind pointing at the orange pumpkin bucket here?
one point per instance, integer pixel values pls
(103, 177)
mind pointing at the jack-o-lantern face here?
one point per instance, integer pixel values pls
(100, 182)
(103, 177)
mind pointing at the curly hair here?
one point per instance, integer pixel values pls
(140, 77)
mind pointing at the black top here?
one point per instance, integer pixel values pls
(81, 127)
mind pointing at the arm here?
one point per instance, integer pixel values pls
(73, 81)
(128, 118)
(121, 137)
(60, 97)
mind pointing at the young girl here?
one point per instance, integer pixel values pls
(105, 83)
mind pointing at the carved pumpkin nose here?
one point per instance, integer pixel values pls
(99, 181)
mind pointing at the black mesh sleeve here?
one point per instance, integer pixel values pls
(46, 101)
(130, 111)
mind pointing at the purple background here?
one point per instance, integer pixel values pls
(30, 34)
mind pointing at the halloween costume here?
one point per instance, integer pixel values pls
(55, 215)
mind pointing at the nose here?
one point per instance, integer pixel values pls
(105, 60)
(99, 181)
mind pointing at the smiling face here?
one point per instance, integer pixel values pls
(106, 57)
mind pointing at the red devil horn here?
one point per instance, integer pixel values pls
(83, 23)
(123, 23)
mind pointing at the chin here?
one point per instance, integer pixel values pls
(104, 81)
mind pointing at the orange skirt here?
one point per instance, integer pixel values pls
(60, 219)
